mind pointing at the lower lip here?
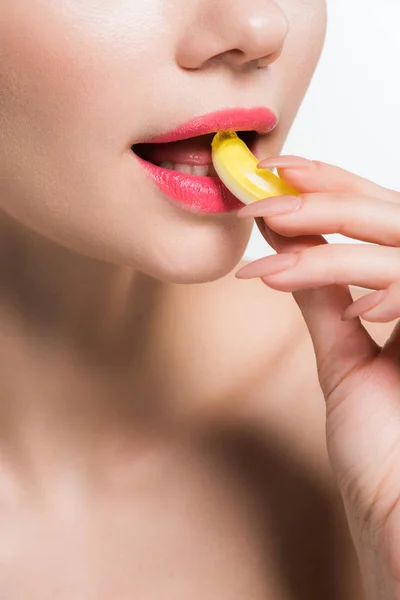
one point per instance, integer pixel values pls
(198, 194)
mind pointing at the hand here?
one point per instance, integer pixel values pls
(360, 380)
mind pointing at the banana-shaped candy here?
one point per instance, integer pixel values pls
(236, 166)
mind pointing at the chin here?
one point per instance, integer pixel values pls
(194, 270)
(143, 231)
(196, 255)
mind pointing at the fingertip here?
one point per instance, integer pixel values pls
(243, 213)
(364, 305)
(286, 162)
(347, 317)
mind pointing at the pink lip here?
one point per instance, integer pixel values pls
(198, 194)
(261, 119)
(206, 194)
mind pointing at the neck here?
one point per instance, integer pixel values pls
(95, 357)
(78, 345)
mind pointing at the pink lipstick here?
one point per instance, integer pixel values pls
(173, 159)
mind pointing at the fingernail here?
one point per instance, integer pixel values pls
(267, 266)
(288, 162)
(276, 205)
(363, 305)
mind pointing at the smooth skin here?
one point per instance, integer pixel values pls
(163, 423)
(359, 378)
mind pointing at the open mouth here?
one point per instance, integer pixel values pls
(191, 156)
(179, 162)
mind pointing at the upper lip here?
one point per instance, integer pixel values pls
(260, 119)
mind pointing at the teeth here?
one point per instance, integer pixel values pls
(201, 170)
(167, 165)
(188, 169)
(198, 170)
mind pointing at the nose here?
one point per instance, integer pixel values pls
(235, 32)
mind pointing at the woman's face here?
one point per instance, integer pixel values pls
(82, 81)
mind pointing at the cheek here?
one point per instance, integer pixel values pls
(307, 29)
(41, 71)
(67, 94)
(61, 66)
(296, 66)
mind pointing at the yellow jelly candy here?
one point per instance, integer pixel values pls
(236, 166)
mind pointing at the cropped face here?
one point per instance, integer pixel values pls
(107, 112)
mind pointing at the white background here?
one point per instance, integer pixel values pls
(351, 114)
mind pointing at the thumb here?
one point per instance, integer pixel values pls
(341, 347)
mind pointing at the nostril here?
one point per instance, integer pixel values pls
(266, 61)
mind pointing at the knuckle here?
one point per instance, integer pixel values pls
(306, 198)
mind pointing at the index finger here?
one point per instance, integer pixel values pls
(315, 176)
